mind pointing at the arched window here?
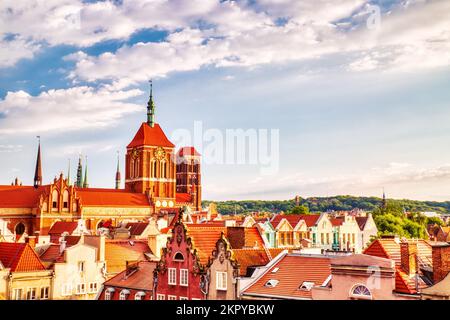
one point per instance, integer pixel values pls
(132, 168)
(108, 293)
(55, 199)
(163, 169)
(153, 168)
(136, 168)
(66, 199)
(124, 294)
(178, 257)
(139, 295)
(20, 229)
(361, 292)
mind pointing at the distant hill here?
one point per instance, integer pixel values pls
(322, 204)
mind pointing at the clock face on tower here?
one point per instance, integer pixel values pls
(159, 153)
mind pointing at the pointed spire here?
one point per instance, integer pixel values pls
(118, 171)
(79, 182)
(85, 181)
(38, 171)
(384, 200)
(68, 174)
(151, 107)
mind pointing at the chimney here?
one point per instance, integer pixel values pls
(408, 253)
(155, 245)
(31, 240)
(441, 261)
(236, 236)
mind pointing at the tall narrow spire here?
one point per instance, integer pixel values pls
(68, 174)
(38, 171)
(79, 182)
(151, 108)
(85, 182)
(384, 200)
(118, 171)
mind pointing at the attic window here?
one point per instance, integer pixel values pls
(178, 257)
(275, 270)
(306, 286)
(271, 283)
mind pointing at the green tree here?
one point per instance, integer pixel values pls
(300, 210)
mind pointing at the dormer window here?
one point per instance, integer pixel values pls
(306, 286)
(124, 294)
(271, 283)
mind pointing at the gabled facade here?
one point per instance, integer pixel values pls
(179, 275)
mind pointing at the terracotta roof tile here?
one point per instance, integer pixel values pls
(253, 238)
(150, 136)
(188, 151)
(294, 219)
(293, 270)
(141, 279)
(118, 252)
(136, 228)
(20, 196)
(110, 197)
(204, 239)
(60, 227)
(361, 222)
(183, 198)
(250, 258)
(19, 257)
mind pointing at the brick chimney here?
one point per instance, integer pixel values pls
(236, 236)
(31, 240)
(408, 253)
(441, 261)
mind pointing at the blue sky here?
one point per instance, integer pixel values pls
(358, 107)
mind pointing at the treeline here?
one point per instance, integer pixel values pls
(323, 204)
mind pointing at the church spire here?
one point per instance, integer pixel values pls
(38, 171)
(384, 200)
(79, 182)
(151, 108)
(85, 182)
(68, 174)
(118, 172)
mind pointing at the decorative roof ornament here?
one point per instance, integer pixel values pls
(38, 171)
(151, 107)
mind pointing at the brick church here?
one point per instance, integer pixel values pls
(158, 180)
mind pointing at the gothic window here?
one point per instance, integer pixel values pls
(55, 196)
(361, 292)
(66, 199)
(163, 169)
(136, 168)
(132, 169)
(20, 228)
(153, 168)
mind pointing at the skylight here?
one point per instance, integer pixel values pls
(307, 286)
(275, 270)
(271, 283)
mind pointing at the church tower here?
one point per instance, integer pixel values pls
(149, 165)
(189, 178)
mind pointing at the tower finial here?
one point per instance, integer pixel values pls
(38, 170)
(79, 182)
(68, 174)
(151, 107)
(118, 171)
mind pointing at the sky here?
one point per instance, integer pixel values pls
(354, 93)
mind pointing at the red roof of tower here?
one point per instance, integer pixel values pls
(19, 257)
(150, 136)
(188, 151)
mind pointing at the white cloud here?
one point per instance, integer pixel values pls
(9, 148)
(13, 50)
(65, 109)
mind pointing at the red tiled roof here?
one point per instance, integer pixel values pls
(361, 222)
(204, 239)
(188, 151)
(183, 197)
(141, 279)
(136, 228)
(253, 238)
(19, 257)
(253, 258)
(293, 271)
(118, 252)
(294, 219)
(389, 248)
(20, 196)
(150, 136)
(337, 221)
(60, 227)
(111, 197)
(52, 253)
